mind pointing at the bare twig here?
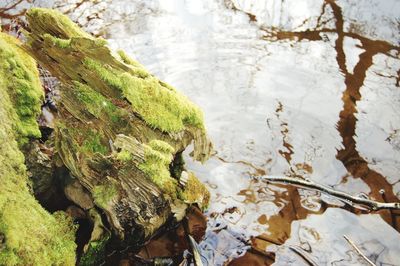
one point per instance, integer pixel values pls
(358, 251)
(304, 256)
(192, 244)
(370, 204)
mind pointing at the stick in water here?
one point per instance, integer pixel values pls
(359, 251)
(370, 204)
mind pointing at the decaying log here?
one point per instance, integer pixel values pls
(29, 235)
(119, 131)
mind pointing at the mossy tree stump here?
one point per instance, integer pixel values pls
(119, 130)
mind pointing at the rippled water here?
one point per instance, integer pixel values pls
(289, 88)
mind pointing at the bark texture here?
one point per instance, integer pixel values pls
(119, 131)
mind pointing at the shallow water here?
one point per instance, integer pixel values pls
(288, 88)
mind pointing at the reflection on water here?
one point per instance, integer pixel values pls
(298, 88)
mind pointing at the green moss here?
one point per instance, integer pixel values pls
(158, 166)
(160, 106)
(162, 146)
(63, 27)
(124, 156)
(195, 192)
(95, 103)
(21, 80)
(127, 60)
(137, 69)
(104, 194)
(104, 72)
(158, 156)
(100, 42)
(92, 143)
(32, 236)
(28, 229)
(35, 237)
(62, 43)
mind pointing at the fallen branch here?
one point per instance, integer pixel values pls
(370, 204)
(359, 251)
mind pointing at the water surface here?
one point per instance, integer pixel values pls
(306, 89)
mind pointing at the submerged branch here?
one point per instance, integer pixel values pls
(370, 204)
(359, 251)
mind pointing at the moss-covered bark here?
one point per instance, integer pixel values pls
(76, 58)
(29, 235)
(21, 81)
(118, 129)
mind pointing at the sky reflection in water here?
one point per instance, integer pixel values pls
(297, 88)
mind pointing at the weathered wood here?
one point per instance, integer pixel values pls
(118, 130)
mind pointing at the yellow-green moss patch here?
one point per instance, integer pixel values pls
(195, 192)
(160, 106)
(63, 27)
(158, 156)
(124, 156)
(21, 82)
(92, 143)
(32, 236)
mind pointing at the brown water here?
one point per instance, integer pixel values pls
(289, 88)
